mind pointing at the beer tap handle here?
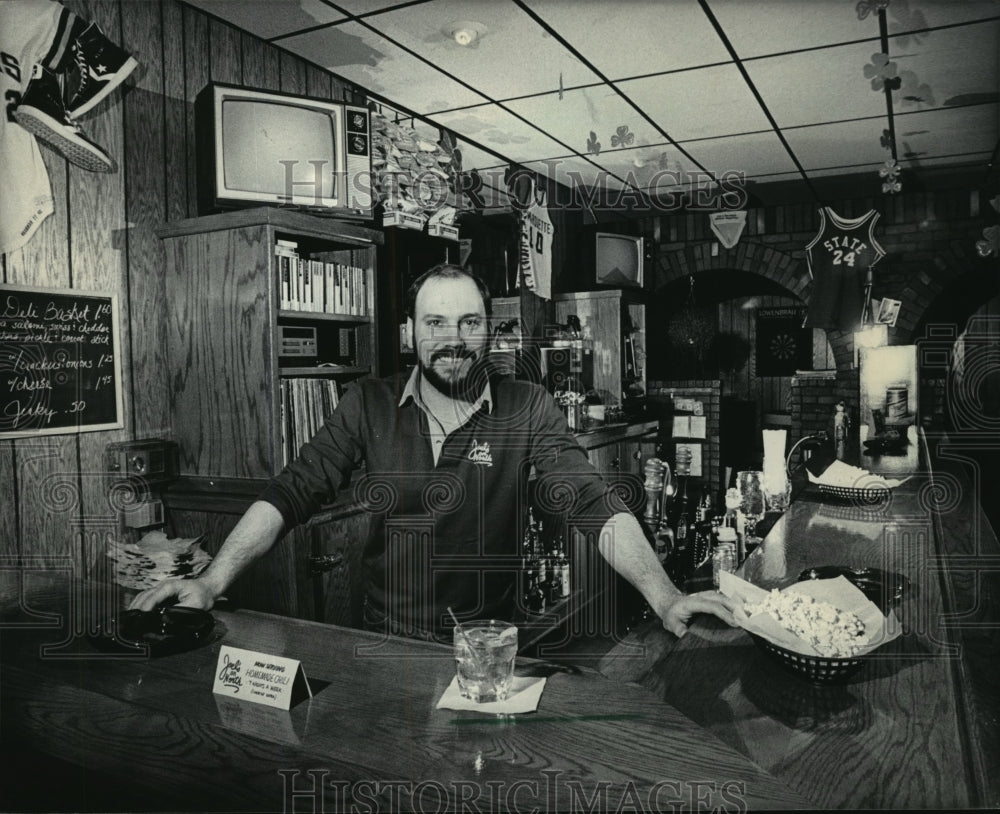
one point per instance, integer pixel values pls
(653, 486)
(667, 496)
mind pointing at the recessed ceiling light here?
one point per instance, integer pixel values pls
(464, 32)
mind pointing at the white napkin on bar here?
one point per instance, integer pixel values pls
(525, 693)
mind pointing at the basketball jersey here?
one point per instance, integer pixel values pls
(536, 243)
(840, 258)
(31, 31)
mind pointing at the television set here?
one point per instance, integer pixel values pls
(619, 260)
(267, 148)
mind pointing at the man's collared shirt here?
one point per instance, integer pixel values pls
(440, 428)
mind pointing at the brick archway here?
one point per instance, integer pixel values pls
(789, 272)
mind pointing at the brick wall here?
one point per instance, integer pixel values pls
(929, 238)
(814, 399)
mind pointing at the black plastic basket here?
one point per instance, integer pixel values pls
(817, 669)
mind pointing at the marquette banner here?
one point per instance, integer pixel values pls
(783, 345)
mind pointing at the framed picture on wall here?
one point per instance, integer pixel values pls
(886, 312)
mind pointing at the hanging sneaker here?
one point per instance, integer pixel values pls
(43, 114)
(99, 66)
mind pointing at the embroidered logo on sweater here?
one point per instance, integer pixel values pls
(480, 454)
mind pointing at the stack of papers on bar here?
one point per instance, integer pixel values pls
(155, 557)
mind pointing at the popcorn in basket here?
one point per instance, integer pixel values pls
(818, 628)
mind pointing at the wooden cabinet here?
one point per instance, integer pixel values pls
(226, 370)
(225, 325)
(616, 323)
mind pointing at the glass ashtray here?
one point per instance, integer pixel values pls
(165, 630)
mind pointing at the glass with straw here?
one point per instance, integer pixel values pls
(485, 651)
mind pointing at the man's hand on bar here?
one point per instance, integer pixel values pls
(679, 612)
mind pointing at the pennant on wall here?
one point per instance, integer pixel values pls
(728, 226)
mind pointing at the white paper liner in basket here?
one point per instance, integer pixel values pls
(839, 592)
(844, 476)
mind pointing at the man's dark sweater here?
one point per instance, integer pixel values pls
(446, 534)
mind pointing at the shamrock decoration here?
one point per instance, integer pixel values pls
(866, 7)
(890, 169)
(913, 91)
(593, 145)
(882, 73)
(890, 172)
(622, 137)
(989, 246)
(886, 140)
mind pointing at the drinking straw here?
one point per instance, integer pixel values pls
(468, 641)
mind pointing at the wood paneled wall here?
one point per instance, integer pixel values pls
(770, 393)
(53, 494)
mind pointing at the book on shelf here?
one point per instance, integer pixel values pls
(319, 286)
(305, 404)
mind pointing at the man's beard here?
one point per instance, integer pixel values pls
(466, 387)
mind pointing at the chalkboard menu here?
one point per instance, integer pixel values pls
(60, 370)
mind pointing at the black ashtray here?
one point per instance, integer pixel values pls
(885, 588)
(170, 629)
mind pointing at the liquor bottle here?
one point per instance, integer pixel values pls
(840, 431)
(664, 543)
(682, 529)
(530, 556)
(536, 594)
(564, 585)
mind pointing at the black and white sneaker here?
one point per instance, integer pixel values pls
(43, 114)
(98, 67)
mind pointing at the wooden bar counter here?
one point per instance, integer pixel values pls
(908, 730)
(148, 734)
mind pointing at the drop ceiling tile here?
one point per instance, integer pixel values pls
(750, 155)
(366, 6)
(844, 144)
(267, 19)
(575, 174)
(660, 167)
(645, 36)
(496, 129)
(359, 55)
(949, 132)
(513, 57)
(978, 160)
(920, 14)
(699, 103)
(475, 158)
(776, 26)
(860, 168)
(580, 112)
(947, 67)
(818, 86)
